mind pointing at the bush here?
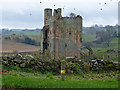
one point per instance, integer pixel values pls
(49, 75)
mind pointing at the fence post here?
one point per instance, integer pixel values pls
(63, 63)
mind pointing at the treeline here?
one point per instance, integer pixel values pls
(104, 35)
(96, 28)
(28, 40)
(23, 39)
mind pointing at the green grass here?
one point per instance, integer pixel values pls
(0, 80)
(30, 82)
(89, 38)
(103, 53)
(16, 77)
(100, 50)
(20, 79)
(31, 33)
(36, 38)
(114, 43)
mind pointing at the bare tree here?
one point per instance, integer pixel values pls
(105, 36)
(72, 14)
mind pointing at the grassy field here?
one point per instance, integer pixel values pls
(28, 33)
(17, 79)
(89, 38)
(27, 82)
(36, 38)
(113, 44)
(100, 50)
(28, 78)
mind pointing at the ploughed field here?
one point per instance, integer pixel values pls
(9, 46)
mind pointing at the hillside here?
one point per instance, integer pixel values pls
(89, 40)
(9, 46)
(35, 32)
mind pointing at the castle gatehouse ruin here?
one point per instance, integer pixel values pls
(61, 36)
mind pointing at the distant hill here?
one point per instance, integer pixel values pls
(28, 32)
(23, 39)
(93, 29)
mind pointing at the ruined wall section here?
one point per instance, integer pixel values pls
(79, 28)
(64, 35)
(71, 32)
(67, 35)
(41, 45)
(47, 16)
(51, 38)
(48, 20)
(68, 30)
(57, 31)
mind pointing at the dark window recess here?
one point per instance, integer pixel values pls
(80, 39)
(75, 56)
(69, 33)
(65, 45)
(45, 41)
(56, 11)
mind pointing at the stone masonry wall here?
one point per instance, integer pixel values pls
(64, 34)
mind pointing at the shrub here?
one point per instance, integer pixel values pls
(49, 75)
(86, 67)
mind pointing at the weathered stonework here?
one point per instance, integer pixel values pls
(61, 36)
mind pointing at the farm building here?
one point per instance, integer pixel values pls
(61, 36)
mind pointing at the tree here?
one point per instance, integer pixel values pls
(104, 36)
(29, 41)
(92, 30)
(72, 14)
(115, 34)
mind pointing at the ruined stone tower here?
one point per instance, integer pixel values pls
(61, 36)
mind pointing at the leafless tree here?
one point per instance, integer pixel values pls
(72, 14)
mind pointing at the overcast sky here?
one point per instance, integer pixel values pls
(29, 13)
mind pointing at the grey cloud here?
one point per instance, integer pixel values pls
(19, 15)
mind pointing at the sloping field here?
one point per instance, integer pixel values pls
(9, 46)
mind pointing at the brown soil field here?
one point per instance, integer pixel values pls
(9, 46)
